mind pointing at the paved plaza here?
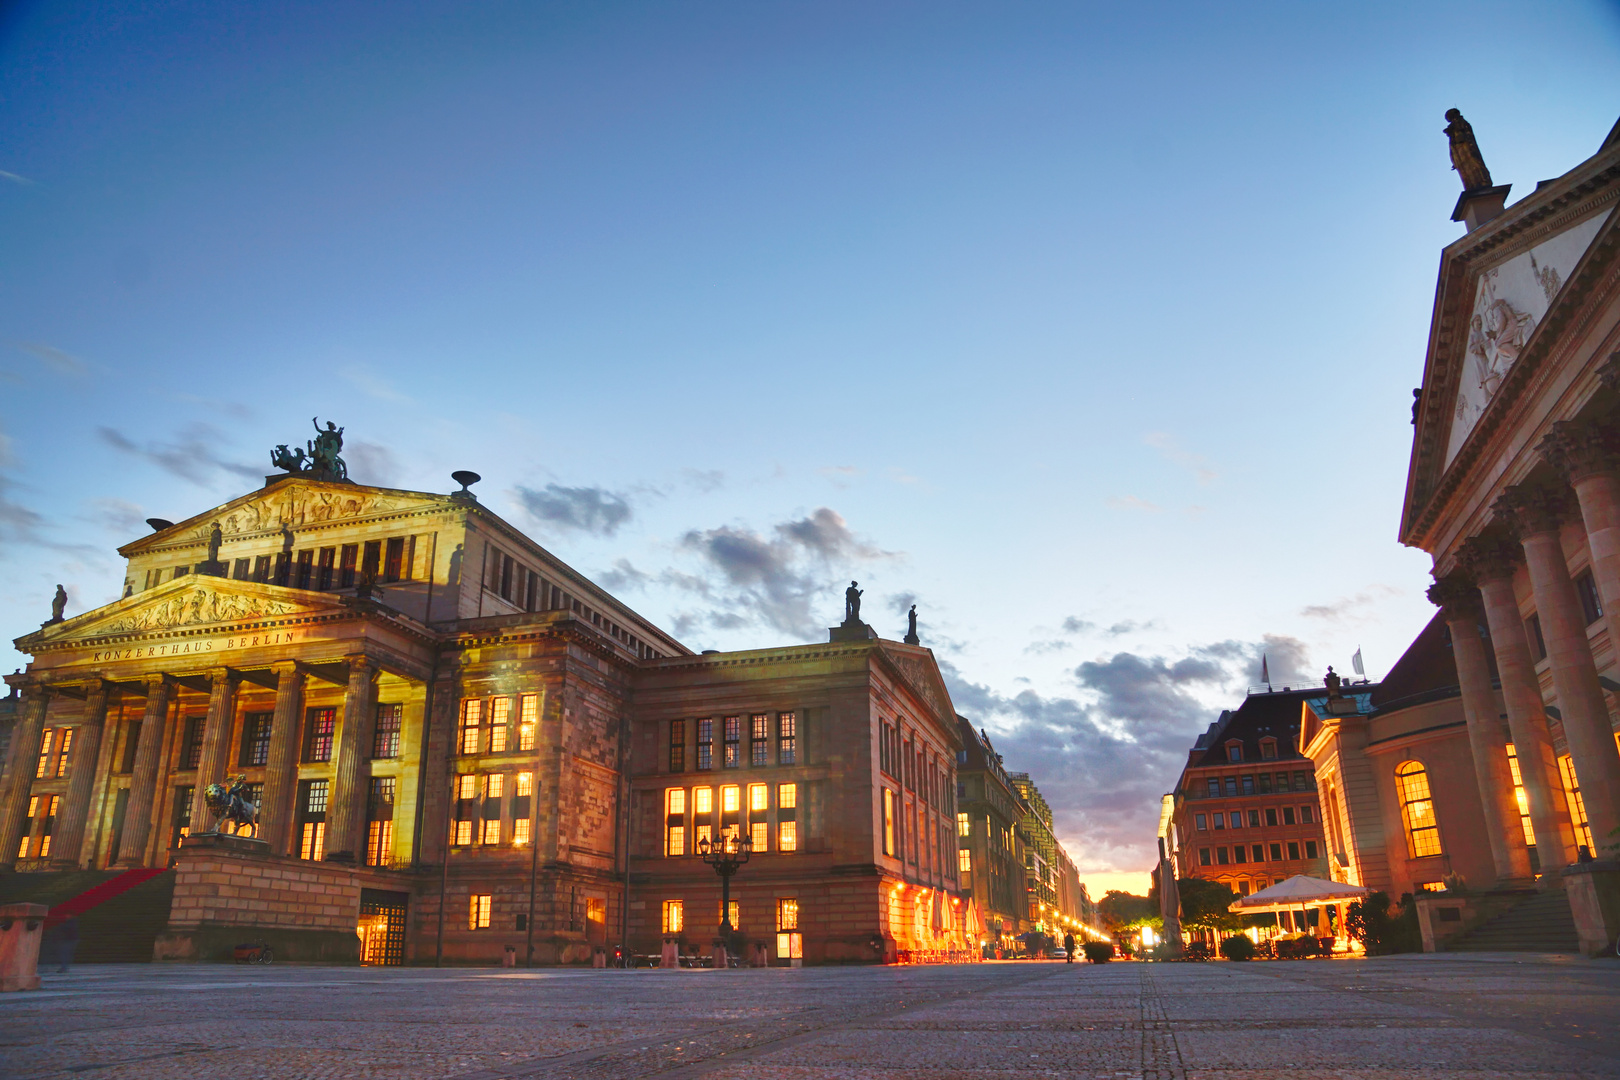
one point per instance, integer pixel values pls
(1424, 1016)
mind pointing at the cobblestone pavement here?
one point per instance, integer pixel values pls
(1406, 1017)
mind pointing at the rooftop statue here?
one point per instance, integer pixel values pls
(321, 462)
(911, 629)
(852, 604)
(1465, 155)
(58, 605)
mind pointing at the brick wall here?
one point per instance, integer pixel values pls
(217, 882)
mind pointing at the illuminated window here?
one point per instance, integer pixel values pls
(385, 743)
(789, 942)
(787, 817)
(758, 797)
(888, 822)
(312, 837)
(494, 784)
(500, 713)
(760, 836)
(964, 825)
(677, 746)
(522, 831)
(464, 832)
(787, 836)
(787, 738)
(63, 751)
(528, 721)
(730, 799)
(759, 740)
(964, 860)
(1520, 797)
(472, 715)
(735, 914)
(379, 843)
(1577, 805)
(48, 807)
(44, 765)
(321, 723)
(675, 821)
(525, 785)
(478, 906)
(733, 747)
(705, 744)
(28, 827)
(467, 786)
(674, 917)
(702, 814)
(492, 831)
(1417, 810)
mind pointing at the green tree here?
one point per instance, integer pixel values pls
(1204, 904)
(1125, 911)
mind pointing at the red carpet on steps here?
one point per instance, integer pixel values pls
(103, 892)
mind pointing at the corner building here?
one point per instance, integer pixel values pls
(459, 745)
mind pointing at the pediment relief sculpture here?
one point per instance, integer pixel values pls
(297, 505)
(922, 680)
(195, 606)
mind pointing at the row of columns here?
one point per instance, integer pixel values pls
(350, 781)
(1527, 528)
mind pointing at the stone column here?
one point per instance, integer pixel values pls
(1538, 512)
(347, 807)
(68, 837)
(144, 780)
(1459, 602)
(1588, 456)
(216, 743)
(1491, 562)
(281, 773)
(24, 743)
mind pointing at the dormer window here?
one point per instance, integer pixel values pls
(1234, 751)
(1268, 748)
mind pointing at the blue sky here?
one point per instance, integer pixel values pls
(1091, 328)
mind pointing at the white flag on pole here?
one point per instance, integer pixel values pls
(1355, 662)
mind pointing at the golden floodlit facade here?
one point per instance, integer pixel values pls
(460, 748)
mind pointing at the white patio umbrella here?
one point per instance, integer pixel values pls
(1298, 892)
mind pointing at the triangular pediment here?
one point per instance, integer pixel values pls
(293, 503)
(195, 601)
(920, 672)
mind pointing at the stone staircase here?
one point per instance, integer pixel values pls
(1542, 923)
(120, 913)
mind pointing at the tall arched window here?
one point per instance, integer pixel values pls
(1417, 809)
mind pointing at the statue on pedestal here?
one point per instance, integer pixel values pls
(1465, 155)
(852, 604)
(58, 605)
(911, 630)
(323, 452)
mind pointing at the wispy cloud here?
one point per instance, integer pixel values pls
(21, 181)
(704, 480)
(55, 358)
(1197, 464)
(592, 510)
(1131, 502)
(193, 455)
(1350, 608)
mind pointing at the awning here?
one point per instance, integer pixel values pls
(1299, 891)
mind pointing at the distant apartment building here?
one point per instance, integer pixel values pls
(990, 860)
(1052, 884)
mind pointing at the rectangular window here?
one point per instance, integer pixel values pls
(677, 746)
(28, 827)
(348, 563)
(1203, 856)
(380, 798)
(385, 742)
(242, 571)
(1304, 781)
(964, 825)
(528, 721)
(478, 909)
(1234, 752)
(394, 559)
(759, 836)
(1282, 781)
(379, 843)
(1268, 750)
(1248, 785)
(492, 832)
(1214, 785)
(702, 815)
(674, 917)
(1231, 786)
(1239, 854)
(320, 724)
(705, 744)
(306, 569)
(1259, 852)
(1219, 820)
(787, 836)
(1254, 819)
(1265, 783)
(1518, 794)
(521, 831)
(787, 817)
(1310, 849)
(326, 568)
(1271, 815)
(63, 751)
(1276, 853)
(261, 569)
(733, 757)
(888, 822)
(1591, 606)
(255, 739)
(1293, 849)
(964, 861)
(787, 738)
(283, 570)
(500, 718)
(675, 821)
(1532, 631)
(1305, 815)
(1220, 856)
(472, 717)
(1288, 815)
(1577, 805)
(191, 751)
(312, 834)
(371, 559)
(132, 742)
(759, 745)
(1200, 822)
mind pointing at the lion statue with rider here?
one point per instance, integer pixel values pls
(232, 802)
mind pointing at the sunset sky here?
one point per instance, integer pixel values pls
(1090, 329)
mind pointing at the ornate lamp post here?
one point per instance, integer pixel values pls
(726, 857)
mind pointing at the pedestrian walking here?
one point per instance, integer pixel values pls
(1068, 947)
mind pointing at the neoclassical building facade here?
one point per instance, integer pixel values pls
(458, 745)
(1514, 490)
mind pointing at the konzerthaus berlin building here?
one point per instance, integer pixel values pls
(461, 745)
(1514, 489)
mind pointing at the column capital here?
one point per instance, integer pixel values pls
(157, 679)
(361, 664)
(1609, 373)
(285, 667)
(1456, 597)
(1526, 510)
(1487, 557)
(1578, 449)
(222, 675)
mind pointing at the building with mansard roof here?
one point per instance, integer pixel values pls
(458, 746)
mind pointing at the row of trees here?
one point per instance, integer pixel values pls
(1373, 922)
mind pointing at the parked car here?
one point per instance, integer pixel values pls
(1059, 953)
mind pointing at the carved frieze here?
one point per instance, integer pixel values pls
(194, 607)
(298, 505)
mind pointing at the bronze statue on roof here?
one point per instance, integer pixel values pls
(1465, 155)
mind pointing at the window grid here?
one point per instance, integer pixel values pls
(1577, 805)
(705, 744)
(1417, 810)
(478, 911)
(528, 721)
(733, 744)
(759, 740)
(787, 738)
(385, 743)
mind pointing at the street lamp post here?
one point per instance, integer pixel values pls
(726, 857)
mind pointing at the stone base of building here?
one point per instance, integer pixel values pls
(1444, 917)
(215, 943)
(1594, 901)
